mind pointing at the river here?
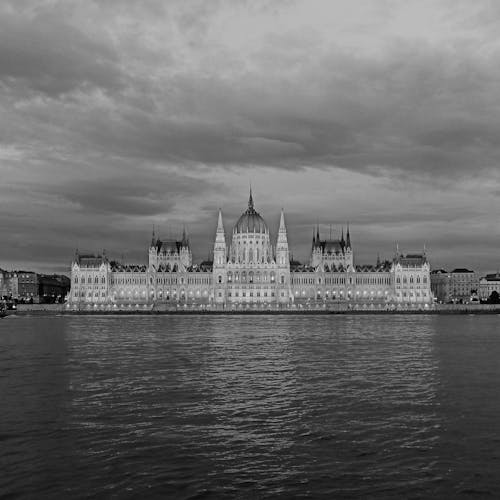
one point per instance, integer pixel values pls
(393, 406)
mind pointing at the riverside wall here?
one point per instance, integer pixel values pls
(339, 308)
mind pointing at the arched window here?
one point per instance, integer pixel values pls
(219, 278)
(76, 279)
(103, 280)
(89, 280)
(282, 279)
(229, 277)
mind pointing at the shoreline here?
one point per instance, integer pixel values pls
(50, 310)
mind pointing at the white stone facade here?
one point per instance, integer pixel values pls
(248, 271)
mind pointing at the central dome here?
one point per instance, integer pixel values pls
(251, 221)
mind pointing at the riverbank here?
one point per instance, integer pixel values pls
(62, 309)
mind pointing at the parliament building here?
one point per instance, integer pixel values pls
(248, 271)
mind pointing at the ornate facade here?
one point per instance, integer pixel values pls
(248, 271)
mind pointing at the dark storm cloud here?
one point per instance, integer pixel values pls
(142, 194)
(46, 55)
(126, 112)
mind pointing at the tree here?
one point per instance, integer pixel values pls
(494, 298)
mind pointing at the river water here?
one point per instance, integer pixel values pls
(250, 407)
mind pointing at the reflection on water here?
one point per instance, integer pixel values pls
(249, 406)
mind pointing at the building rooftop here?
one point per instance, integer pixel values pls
(492, 277)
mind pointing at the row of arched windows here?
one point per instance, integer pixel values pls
(96, 280)
(411, 280)
(250, 277)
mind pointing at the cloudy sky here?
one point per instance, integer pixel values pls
(117, 115)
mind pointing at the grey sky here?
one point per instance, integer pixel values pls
(115, 116)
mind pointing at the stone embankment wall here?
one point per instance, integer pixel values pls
(41, 309)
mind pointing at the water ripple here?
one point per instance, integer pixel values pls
(249, 407)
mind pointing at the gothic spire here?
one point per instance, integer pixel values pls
(220, 235)
(282, 229)
(348, 237)
(185, 241)
(250, 201)
(220, 225)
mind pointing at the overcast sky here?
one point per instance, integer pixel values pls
(117, 115)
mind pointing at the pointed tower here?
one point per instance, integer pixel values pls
(185, 241)
(317, 252)
(219, 264)
(153, 252)
(349, 255)
(220, 243)
(342, 241)
(185, 255)
(284, 294)
(282, 255)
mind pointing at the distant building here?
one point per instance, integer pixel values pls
(11, 286)
(248, 270)
(33, 287)
(440, 285)
(27, 285)
(3, 286)
(489, 284)
(459, 285)
(463, 284)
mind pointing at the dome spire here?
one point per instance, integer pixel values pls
(250, 200)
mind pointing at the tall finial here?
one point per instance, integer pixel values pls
(220, 225)
(185, 241)
(153, 237)
(348, 237)
(250, 199)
